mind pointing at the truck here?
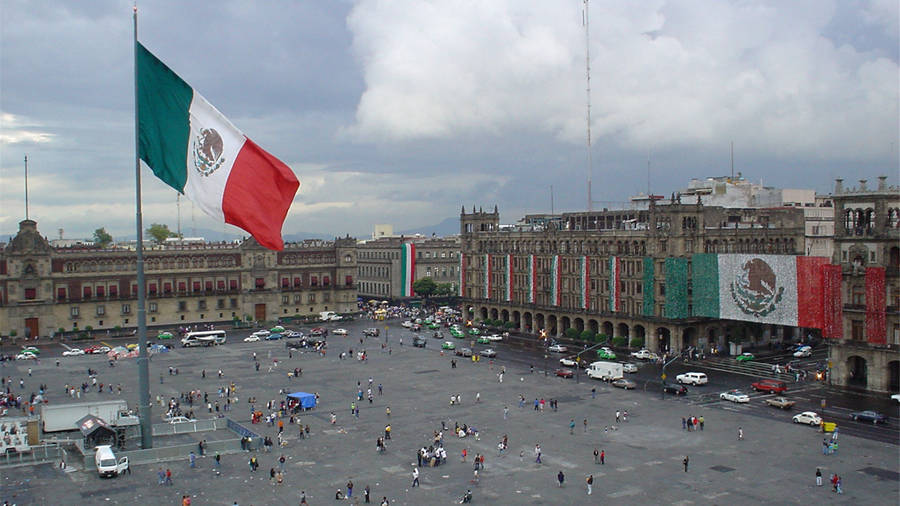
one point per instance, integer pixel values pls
(107, 463)
(329, 316)
(607, 371)
(60, 417)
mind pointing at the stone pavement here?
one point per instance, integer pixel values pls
(775, 463)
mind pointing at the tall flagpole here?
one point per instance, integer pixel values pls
(26, 187)
(142, 360)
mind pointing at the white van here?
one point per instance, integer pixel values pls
(692, 378)
(607, 371)
(106, 462)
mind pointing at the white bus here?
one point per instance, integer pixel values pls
(204, 338)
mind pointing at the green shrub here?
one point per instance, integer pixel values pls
(13, 333)
(571, 333)
(620, 341)
(587, 335)
(88, 328)
(509, 325)
(637, 342)
(60, 330)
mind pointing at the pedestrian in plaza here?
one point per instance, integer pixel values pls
(366, 494)
(161, 476)
(818, 476)
(685, 462)
(837, 486)
(201, 447)
(349, 489)
(572, 426)
(193, 460)
(602, 457)
(683, 423)
(590, 483)
(618, 414)
(625, 416)
(465, 452)
(560, 477)
(271, 474)
(505, 412)
(537, 452)
(169, 477)
(701, 422)
(585, 425)
(218, 461)
(824, 447)
(281, 461)
(740, 434)
(596, 456)
(593, 393)
(415, 474)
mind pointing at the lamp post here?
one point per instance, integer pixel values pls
(546, 350)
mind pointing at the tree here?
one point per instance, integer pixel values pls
(571, 333)
(102, 238)
(425, 287)
(587, 335)
(160, 232)
(444, 289)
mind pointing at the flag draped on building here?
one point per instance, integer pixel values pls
(509, 278)
(554, 281)
(584, 272)
(462, 275)
(193, 148)
(780, 289)
(487, 276)
(676, 288)
(649, 290)
(876, 324)
(833, 308)
(615, 302)
(532, 282)
(407, 269)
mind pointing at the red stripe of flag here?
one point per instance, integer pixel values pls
(810, 291)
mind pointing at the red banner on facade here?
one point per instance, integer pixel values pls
(833, 309)
(876, 330)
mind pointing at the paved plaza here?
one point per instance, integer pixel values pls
(774, 464)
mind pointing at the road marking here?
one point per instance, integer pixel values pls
(625, 492)
(625, 469)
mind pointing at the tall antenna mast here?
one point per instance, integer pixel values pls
(587, 60)
(26, 187)
(648, 172)
(551, 199)
(732, 161)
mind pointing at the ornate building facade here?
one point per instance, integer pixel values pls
(608, 271)
(867, 248)
(389, 265)
(45, 289)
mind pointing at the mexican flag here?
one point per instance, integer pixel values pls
(509, 279)
(487, 276)
(780, 289)
(532, 272)
(584, 270)
(554, 281)
(193, 148)
(615, 299)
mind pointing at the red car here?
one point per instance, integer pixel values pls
(565, 373)
(769, 385)
(96, 348)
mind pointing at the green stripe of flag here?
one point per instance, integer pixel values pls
(676, 288)
(649, 287)
(705, 284)
(164, 100)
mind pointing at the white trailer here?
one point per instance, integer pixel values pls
(607, 371)
(61, 417)
(329, 316)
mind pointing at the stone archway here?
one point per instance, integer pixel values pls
(857, 371)
(894, 376)
(639, 332)
(504, 315)
(607, 329)
(528, 321)
(552, 327)
(564, 324)
(484, 313)
(578, 323)
(594, 326)
(622, 330)
(517, 320)
(494, 314)
(663, 339)
(540, 322)
(689, 337)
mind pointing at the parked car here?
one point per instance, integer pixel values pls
(803, 351)
(568, 362)
(261, 333)
(274, 336)
(371, 331)
(780, 402)
(180, 419)
(475, 332)
(644, 354)
(26, 356)
(745, 357)
(672, 388)
(868, 416)
(339, 332)
(457, 333)
(488, 353)
(293, 334)
(769, 385)
(565, 373)
(73, 352)
(251, 339)
(165, 335)
(627, 384)
(735, 396)
(692, 378)
(464, 352)
(407, 324)
(808, 418)
(483, 340)
(558, 348)
(419, 342)
(629, 367)
(96, 349)
(318, 332)
(896, 398)
(494, 337)
(606, 354)
(448, 345)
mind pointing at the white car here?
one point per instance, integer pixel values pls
(809, 418)
(261, 333)
(558, 348)
(692, 378)
(644, 355)
(252, 339)
(494, 337)
(803, 352)
(735, 396)
(568, 362)
(180, 419)
(26, 356)
(73, 352)
(339, 332)
(407, 324)
(629, 367)
(896, 398)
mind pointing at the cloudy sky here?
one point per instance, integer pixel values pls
(402, 111)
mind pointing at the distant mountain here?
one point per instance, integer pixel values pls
(449, 226)
(302, 236)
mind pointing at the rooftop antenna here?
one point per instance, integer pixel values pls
(648, 171)
(551, 199)
(587, 61)
(26, 186)
(732, 161)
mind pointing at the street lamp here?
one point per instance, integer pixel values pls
(546, 349)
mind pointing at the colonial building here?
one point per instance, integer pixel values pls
(867, 248)
(44, 289)
(622, 273)
(388, 266)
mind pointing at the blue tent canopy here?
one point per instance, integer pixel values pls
(306, 400)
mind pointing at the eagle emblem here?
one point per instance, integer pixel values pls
(208, 148)
(755, 289)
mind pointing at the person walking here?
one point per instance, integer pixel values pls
(818, 476)
(572, 426)
(602, 457)
(560, 477)
(349, 489)
(193, 460)
(366, 490)
(837, 486)
(281, 461)
(537, 452)
(618, 414)
(169, 477)
(701, 422)
(415, 473)
(685, 462)
(161, 476)
(590, 483)
(740, 434)
(596, 456)
(505, 412)
(585, 425)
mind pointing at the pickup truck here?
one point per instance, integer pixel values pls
(780, 402)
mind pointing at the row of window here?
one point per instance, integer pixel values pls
(153, 307)
(310, 298)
